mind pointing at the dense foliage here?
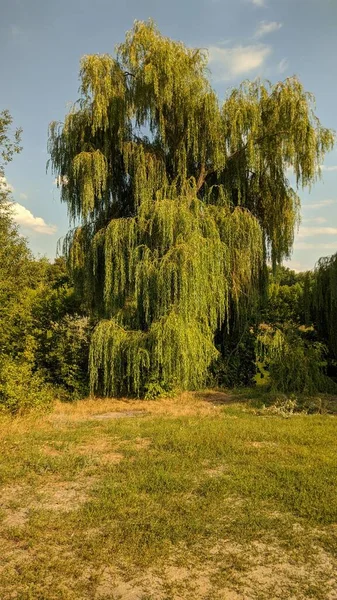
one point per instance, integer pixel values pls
(325, 301)
(181, 200)
(295, 362)
(182, 213)
(44, 339)
(288, 298)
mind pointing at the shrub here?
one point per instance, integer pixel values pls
(66, 354)
(155, 390)
(22, 389)
(295, 364)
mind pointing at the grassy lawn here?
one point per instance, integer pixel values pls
(199, 497)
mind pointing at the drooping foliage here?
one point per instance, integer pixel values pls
(170, 273)
(325, 301)
(180, 199)
(296, 363)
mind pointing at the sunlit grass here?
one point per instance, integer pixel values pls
(203, 488)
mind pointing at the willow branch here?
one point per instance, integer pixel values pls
(258, 141)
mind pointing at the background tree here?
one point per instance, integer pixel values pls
(15, 257)
(62, 333)
(43, 338)
(20, 387)
(324, 307)
(289, 297)
(181, 200)
(296, 363)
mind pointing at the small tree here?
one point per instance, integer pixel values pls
(295, 362)
(180, 199)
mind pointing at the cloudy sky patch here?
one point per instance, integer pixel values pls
(229, 63)
(25, 218)
(266, 28)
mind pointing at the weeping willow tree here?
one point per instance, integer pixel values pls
(177, 201)
(325, 301)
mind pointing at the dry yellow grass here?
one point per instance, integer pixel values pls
(194, 497)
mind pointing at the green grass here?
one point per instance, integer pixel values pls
(230, 500)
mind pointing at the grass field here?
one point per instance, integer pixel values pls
(199, 497)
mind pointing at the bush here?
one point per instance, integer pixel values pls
(66, 352)
(295, 364)
(155, 390)
(22, 389)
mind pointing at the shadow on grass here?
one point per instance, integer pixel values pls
(262, 396)
(222, 397)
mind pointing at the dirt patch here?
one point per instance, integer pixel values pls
(111, 587)
(76, 416)
(224, 571)
(103, 450)
(17, 501)
(261, 444)
(51, 451)
(172, 582)
(13, 556)
(215, 397)
(10, 494)
(183, 576)
(107, 451)
(137, 443)
(15, 517)
(205, 403)
(122, 414)
(141, 443)
(65, 495)
(12, 497)
(93, 446)
(217, 471)
(276, 574)
(111, 458)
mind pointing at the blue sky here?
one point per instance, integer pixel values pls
(41, 43)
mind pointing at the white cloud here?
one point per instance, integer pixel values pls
(4, 185)
(23, 196)
(283, 65)
(310, 246)
(22, 216)
(320, 204)
(325, 168)
(329, 167)
(260, 3)
(227, 63)
(61, 180)
(15, 31)
(313, 231)
(315, 220)
(296, 266)
(266, 28)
